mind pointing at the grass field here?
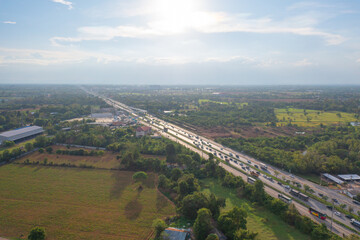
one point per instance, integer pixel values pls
(312, 117)
(201, 101)
(107, 161)
(74, 203)
(268, 225)
(19, 145)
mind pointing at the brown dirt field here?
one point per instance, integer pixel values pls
(249, 132)
(106, 161)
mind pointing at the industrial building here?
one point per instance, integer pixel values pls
(331, 178)
(349, 177)
(21, 134)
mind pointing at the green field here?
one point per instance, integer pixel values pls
(268, 225)
(201, 101)
(19, 145)
(74, 203)
(311, 118)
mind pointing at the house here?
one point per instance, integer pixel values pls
(171, 233)
(142, 131)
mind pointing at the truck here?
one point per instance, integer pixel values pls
(299, 195)
(254, 174)
(355, 223)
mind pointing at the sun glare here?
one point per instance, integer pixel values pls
(177, 16)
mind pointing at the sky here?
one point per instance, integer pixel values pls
(221, 42)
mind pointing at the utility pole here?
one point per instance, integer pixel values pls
(332, 215)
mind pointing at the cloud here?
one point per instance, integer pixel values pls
(64, 2)
(358, 61)
(309, 5)
(303, 63)
(9, 22)
(47, 57)
(206, 22)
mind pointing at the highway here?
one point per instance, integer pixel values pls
(236, 159)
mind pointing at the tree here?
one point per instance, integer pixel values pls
(170, 153)
(243, 234)
(306, 188)
(229, 222)
(202, 225)
(49, 150)
(159, 226)
(139, 176)
(276, 173)
(212, 236)
(8, 143)
(215, 204)
(37, 233)
(41, 150)
(259, 193)
(320, 232)
(176, 174)
(351, 209)
(192, 203)
(29, 146)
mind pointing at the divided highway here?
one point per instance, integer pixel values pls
(240, 161)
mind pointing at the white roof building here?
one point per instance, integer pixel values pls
(20, 133)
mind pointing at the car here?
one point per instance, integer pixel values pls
(348, 216)
(279, 183)
(243, 168)
(329, 207)
(292, 176)
(241, 164)
(287, 187)
(256, 166)
(249, 162)
(335, 200)
(356, 202)
(321, 195)
(337, 213)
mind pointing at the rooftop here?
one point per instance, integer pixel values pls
(20, 131)
(176, 233)
(144, 128)
(349, 177)
(332, 178)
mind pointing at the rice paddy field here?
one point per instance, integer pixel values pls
(75, 203)
(312, 118)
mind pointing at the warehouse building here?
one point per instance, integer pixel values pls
(21, 134)
(349, 177)
(331, 178)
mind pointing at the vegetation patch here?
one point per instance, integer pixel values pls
(268, 225)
